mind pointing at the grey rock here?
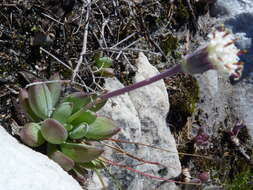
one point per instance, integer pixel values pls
(23, 168)
(231, 7)
(239, 21)
(242, 103)
(141, 115)
(215, 96)
(214, 188)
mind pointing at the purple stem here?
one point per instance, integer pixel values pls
(168, 73)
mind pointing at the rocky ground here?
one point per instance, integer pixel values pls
(38, 38)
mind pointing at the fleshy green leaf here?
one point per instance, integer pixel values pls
(94, 164)
(23, 100)
(55, 88)
(79, 99)
(53, 131)
(63, 111)
(30, 134)
(101, 128)
(81, 153)
(82, 116)
(104, 62)
(83, 100)
(40, 100)
(79, 132)
(68, 126)
(64, 161)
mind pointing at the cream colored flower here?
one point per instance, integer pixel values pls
(220, 53)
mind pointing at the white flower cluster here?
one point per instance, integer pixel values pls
(223, 54)
(219, 53)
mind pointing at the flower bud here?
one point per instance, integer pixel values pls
(203, 177)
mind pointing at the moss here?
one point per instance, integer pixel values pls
(183, 98)
(3, 70)
(182, 14)
(242, 181)
(169, 44)
(177, 55)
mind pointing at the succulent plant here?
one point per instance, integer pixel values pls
(66, 124)
(103, 66)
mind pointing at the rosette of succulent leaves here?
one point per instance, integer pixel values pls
(67, 125)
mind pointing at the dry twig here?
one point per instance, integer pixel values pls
(85, 36)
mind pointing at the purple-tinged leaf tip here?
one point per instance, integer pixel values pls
(64, 161)
(31, 135)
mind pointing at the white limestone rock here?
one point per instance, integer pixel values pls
(23, 168)
(141, 115)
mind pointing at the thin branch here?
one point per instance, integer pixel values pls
(79, 25)
(134, 157)
(60, 81)
(136, 41)
(158, 148)
(61, 62)
(128, 37)
(48, 16)
(47, 82)
(85, 36)
(146, 174)
(64, 64)
(103, 31)
(124, 50)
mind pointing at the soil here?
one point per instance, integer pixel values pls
(39, 38)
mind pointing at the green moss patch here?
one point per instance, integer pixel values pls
(169, 44)
(183, 93)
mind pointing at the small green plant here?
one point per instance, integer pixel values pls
(103, 66)
(67, 125)
(242, 181)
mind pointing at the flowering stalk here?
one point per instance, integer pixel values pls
(170, 72)
(220, 54)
